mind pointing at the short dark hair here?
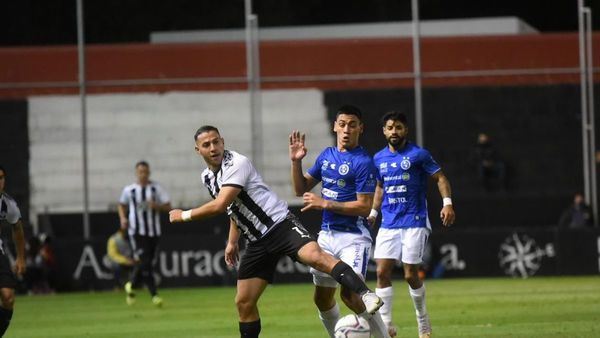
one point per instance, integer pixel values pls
(349, 110)
(394, 116)
(205, 129)
(143, 163)
(3, 170)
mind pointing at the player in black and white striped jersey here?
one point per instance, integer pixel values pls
(265, 221)
(139, 208)
(9, 211)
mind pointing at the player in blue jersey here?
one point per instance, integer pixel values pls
(347, 175)
(403, 169)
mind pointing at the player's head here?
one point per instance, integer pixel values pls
(348, 126)
(395, 128)
(2, 178)
(210, 145)
(142, 172)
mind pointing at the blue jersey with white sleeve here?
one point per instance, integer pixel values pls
(404, 176)
(343, 174)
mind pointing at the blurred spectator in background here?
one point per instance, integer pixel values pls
(120, 254)
(577, 215)
(41, 265)
(490, 169)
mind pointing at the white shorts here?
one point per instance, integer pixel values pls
(406, 245)
(352, 249)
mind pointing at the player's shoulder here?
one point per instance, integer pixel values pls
(416, 149)
(233, 159)
(8, 198)
(362, 155)
(130, 186)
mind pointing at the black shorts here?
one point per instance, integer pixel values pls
(261, 257)
(7, 277)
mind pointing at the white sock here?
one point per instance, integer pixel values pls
(418, 298)
(330, 318)
(387, 295)
(378, 327)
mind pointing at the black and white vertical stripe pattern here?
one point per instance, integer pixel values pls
(143, 220)
(256, 209)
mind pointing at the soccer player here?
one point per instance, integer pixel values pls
(347, 175)
(270, 229)
(9, 211)
(139, 209)
(403, 168)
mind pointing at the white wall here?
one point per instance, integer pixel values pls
(159, 128)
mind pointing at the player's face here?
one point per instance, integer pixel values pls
(348, 129)
(210, 146)
(142, 173)
(395, 132)
(2, 180)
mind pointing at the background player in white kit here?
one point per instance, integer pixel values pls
(403, 169)
(9, 211)
(347, 175)
(270, 229)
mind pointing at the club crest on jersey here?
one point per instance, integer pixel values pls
(344, 169)
(405, 164)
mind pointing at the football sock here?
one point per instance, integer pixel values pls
(344, 275)
(387, 295)
(330, 318)
(378, 327)
(418, 298)
(250, 329)
(5, 317)
(148, 277)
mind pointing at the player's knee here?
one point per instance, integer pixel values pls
(8, 299)
(383, 275)
(245, 305)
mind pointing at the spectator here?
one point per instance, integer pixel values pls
(490, 169)
(120, 254)
(577, 215)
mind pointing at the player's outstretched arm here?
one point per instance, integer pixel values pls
(232, 250)
(376, 207)
(360, 207)
(300, 182)
(210, 209)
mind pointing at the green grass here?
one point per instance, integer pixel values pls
(494, 307)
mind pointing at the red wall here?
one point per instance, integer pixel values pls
(56, 67)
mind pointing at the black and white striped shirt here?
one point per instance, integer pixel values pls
(9, 211)
(257, 208)
(143, 220)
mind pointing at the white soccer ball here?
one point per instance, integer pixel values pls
(352, 326)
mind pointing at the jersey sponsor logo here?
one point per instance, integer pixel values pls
(341, 183)
(396, 200)
(328, 180)
(383, 167)
(405, 176)
(329, 193)
(344, 169)
(395, 188)
(405, 164)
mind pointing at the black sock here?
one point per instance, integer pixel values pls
(344, 275)
(5, 316)
(250, 329)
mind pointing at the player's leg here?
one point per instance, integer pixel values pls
(324, 298)
(414, 241)
(388, 249)
(149, 276)
(136, 273)
(246, 299)
(8, 283)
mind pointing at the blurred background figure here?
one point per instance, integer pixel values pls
(576, 215)
(120, 254)
(490, 169)
(41, 265)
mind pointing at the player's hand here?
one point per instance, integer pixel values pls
(447, 215)
(124, 223)
(175, 216)
(297, 148)
(312, 201)
(232, 254)
(371, 220)
(20, 266)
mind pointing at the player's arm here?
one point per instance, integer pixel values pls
(447, 213)
(123, 209)
(360, 207)
(301, 182)
(19, 240)
(232, 250)
(210, 209)
(377, 200)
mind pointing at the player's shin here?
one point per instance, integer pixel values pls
(387, 295)
(344, 275)
(329, 318)
(378, 327)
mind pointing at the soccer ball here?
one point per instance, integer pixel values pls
(352, 326)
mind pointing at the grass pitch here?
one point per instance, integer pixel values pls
(494, 307)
